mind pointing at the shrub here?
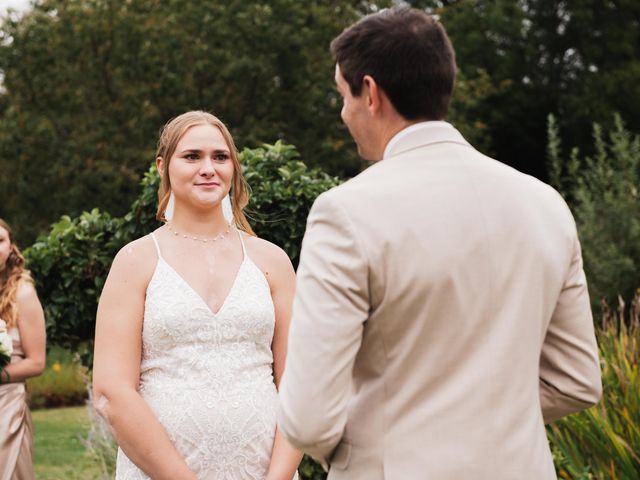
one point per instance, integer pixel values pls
(282, 192)
(63, 382)
(603, 193)
(71, 263)
(310, 470)
(69, 266)
(604, 441)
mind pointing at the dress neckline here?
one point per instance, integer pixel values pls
(200, 298)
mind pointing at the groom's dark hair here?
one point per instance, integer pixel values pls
(408, 54)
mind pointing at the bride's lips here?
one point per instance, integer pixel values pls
(208, 184)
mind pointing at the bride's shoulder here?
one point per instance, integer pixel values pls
(264, 249)
(137, 258)
(268, 256)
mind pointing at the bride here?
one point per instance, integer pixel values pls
(192, 324)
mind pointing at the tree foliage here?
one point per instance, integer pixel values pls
(87, 84)
(578, 60)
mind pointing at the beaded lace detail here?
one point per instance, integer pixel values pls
(208, 376)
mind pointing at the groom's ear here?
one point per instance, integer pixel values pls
(373, 93)
(159, 165)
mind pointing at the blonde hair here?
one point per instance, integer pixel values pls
(171, 134)
(11, 276)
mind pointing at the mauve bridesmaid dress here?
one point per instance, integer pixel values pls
(16, 439)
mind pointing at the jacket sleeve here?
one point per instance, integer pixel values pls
(569, 368)
(330, 308)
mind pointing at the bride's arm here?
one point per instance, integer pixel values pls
(282, 281)
(116, 368)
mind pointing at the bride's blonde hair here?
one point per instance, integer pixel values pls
(171, 134)
(11, 275)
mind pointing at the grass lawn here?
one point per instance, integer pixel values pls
(59, 453)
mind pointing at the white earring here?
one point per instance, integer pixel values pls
(227, 211)
(168, 213)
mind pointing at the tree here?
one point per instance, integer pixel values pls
(579, 60)
(88, 83)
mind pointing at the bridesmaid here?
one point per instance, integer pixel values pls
(21, 311)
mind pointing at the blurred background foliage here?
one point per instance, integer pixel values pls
(87, 84)
(603, 191)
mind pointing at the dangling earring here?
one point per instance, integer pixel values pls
(168, 212)
(227, 211)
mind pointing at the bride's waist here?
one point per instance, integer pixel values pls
(159, 379)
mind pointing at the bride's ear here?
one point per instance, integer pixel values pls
(160, 165)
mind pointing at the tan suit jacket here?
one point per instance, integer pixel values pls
(441, 318)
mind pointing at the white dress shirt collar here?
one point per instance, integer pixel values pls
(412, 128)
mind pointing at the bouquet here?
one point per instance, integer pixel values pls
(6, 345)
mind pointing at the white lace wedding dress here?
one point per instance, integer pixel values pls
(208, 377)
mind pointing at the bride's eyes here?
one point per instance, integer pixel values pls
(218, 156)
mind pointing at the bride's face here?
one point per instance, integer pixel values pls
(201, 168)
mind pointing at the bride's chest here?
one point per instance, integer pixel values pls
(176, 316)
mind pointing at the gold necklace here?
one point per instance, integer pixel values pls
(200, 239)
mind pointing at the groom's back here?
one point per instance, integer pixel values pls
(467, 259)
(441, 313)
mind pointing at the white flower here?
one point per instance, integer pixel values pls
(6, 342)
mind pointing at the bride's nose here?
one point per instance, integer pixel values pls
(207, 168)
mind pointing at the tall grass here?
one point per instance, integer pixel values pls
(603, 442)
(99, 442)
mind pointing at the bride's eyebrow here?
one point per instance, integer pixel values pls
(197, 150)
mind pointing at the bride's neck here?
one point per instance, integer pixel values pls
(209, 224)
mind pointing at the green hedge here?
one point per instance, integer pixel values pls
(71, 262)
(69, 266)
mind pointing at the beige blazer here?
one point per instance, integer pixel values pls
(441, 318)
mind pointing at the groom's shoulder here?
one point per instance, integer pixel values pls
(350, 189)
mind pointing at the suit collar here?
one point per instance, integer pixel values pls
(423, 134)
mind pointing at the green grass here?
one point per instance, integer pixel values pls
(59, 453)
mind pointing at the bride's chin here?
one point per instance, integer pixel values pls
(209, 203)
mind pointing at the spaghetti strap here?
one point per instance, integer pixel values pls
(244, 250)
(153, 237)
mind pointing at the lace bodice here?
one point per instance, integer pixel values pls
(208, 377)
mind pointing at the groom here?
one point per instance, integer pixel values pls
(442, 314)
